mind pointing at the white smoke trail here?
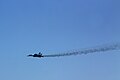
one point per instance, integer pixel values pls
(86, 51)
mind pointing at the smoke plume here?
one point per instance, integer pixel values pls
(86, 51)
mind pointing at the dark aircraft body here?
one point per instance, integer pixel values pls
(36, 55)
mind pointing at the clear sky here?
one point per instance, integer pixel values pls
(53, 26)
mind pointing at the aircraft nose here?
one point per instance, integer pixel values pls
(29, 55)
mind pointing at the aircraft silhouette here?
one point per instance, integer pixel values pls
(36, 55)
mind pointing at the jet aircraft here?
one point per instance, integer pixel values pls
(36, 55)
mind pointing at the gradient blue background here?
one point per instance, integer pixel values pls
(52, 26)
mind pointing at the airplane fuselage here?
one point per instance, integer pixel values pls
(36, 55)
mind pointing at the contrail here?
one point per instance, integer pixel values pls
(86, 51)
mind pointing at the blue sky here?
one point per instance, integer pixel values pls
(53, 26)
